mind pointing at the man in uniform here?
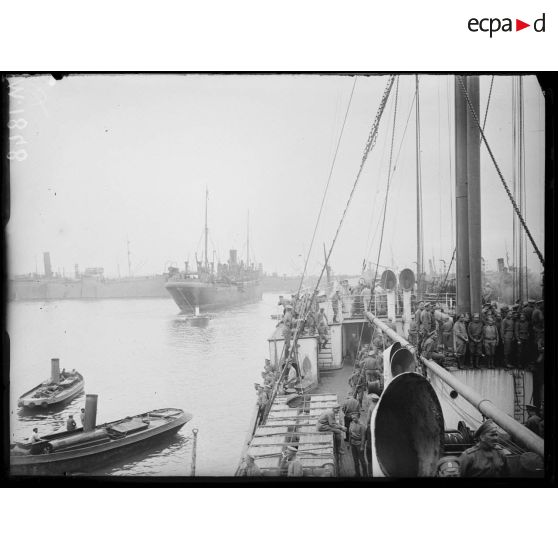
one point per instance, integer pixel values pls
(418, 312)
(533, 422)
(358, 382)
(412, 336)
(250, 468)
(447, 328)
(290, 464)
(429, 346)
(522, 337)
(328, 423)
(357, 441)
(353, 347)
(537, 321)
(425, 326)
(484, 459)
(335, 299)
(370, 366)
(475, 339)
(350, 406)
(507, 338)
(323, 329)
(71, 423)
(35, 436)
(460, 339)
(490, 339)
(528, 309)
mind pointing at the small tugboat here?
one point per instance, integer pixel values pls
(61, 387)
(86, 449)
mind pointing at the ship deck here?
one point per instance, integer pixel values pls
(337, 381)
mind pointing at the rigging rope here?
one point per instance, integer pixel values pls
(510, 196)
(327, 186)
(387, 186)
(370, 143)
(488, 102)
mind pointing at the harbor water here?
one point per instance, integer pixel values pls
(139, 355)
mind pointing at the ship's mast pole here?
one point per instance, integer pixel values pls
(206, 232)
(461, 203)
(420, 238)
(474, 197)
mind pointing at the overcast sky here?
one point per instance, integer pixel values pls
(111, 158)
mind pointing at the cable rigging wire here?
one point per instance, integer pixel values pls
(369, 146)
(327, 185)
(510, 196)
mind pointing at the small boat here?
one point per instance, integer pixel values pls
(61, 387)
(86, 449)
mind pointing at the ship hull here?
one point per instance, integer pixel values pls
(86, 288)
(207, 297)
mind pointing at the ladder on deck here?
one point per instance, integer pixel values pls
(325, 357)
(519, 395)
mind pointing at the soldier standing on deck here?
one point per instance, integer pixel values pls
(335, 299)
(460, 339)
(475, 339)
(412, 336)
(490, 338)
(533, 421)
(507, 338)
(447, 328)
(522, 337)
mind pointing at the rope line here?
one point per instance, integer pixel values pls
(327, 186)
(510, 196)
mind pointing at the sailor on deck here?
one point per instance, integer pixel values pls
(328, 423)
(35, 436)
(484, 459)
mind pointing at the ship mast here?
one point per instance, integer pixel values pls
(420, 238)
(206, 230)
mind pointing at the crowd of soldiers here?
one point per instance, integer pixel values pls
(304, 313)
(498, 336)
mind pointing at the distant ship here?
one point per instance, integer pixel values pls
(210, 286)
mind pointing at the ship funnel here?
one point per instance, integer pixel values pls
(407, 279)
(90, 412)
(55, 370)
(388, 280)
(397, 360)
(48, 266)
(407, 428)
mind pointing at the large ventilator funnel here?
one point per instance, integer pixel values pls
(407, 279)
(407, 429)
(388, 280)
(397, 360)
(55, 370)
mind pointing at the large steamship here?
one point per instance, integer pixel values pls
(213, 286)
(425, 410)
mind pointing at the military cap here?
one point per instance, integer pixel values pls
(451, 462)
(484, 427)
(292, 448)
(531, 301)
(375, 397)
(531, 408)
(476, 315)
(539, 302)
